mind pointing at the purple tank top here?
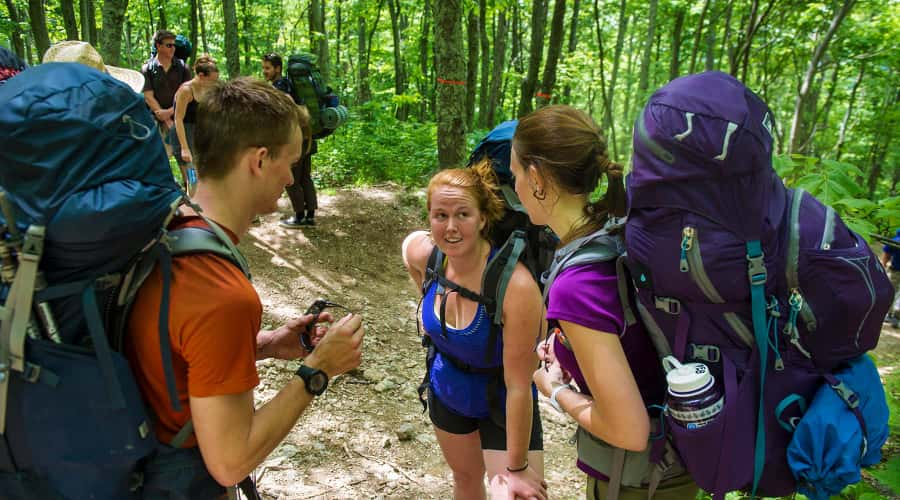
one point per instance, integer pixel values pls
(588, 296)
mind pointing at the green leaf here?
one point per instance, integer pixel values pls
(840, 166)
(861, 226)
(812, 183)
(858, 204)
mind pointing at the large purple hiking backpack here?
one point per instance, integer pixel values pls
(763, 284)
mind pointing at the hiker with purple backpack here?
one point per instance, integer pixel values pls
(558, 159)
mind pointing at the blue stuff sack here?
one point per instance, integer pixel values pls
(840, 434)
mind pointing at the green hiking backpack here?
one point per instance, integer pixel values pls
(308, 88)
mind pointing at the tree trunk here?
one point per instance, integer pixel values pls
(202, 26)
(485, 64)
(821, 119)
(674, 64)
(363, 92)
(18, 44)
(246, 31)
(318, 37)
(450, 71)
(805, 104)
(556, 36)
(883, 139)
(620, 43)
(711, 39)
(91, 14)
(163, 21)
(399, 67)
(426, 86)
(604, 94)
(129, 49)
(742, 57)
(842, 134)
(192, 28)
(339, 22)
(516, 57)
(727, 55)
(232, 51)
(472, 45)
(69, 20)
(38, 21)
(111, 36)
(499, 59)
(570, 50)
(538, 20)
(629, 82)
(643, 82)
(699, 31)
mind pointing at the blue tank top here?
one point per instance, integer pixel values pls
(463, 392)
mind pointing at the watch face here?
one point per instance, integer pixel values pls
(317, 383)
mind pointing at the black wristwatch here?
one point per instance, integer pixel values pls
(315, 381)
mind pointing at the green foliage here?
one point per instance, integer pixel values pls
(377, 149)
(841, 185)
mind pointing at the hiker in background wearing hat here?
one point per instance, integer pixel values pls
(186, 101)
(10, 65)
(85, 53)
(163, 74)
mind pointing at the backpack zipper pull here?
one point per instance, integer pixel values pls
(687, 242)
(790, 329)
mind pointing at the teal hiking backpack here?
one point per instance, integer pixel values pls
(326, 112)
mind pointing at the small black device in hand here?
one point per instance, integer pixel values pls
(315, 309)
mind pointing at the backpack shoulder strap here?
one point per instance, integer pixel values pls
(498, 272)
(195, 240)
(597, 247)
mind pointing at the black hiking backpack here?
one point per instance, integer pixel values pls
(326, 113)
(516, 239)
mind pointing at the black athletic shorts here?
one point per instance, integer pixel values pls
(493, 436)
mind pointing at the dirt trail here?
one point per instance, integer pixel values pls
(347, 445)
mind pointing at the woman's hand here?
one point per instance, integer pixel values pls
(551, 373)
(186, 155)
(526, 484)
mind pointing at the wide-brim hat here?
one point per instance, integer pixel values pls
(85, 53)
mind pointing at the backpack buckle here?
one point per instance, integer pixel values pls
(708, 353)
(32, 372)
(667, 305)
(847, 394)
(756, 270)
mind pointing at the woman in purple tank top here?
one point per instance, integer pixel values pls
(558, 157)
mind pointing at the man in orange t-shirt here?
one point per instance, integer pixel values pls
(248, 136)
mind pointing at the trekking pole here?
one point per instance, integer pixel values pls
(887, 241)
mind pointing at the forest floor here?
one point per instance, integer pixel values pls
(367, 437)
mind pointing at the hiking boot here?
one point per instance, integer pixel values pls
(895, 322)
(308, 221)
(292, 222)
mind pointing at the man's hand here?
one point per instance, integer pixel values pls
(186, 156)
(340, 350)
(284, 343)
(525, 484)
